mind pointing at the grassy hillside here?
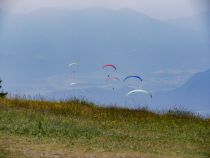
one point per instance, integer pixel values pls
(36, 128)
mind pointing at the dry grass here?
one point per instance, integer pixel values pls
(82, 126)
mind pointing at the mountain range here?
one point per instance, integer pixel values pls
(199, 22)
(193, 95)
(50, 39)
(40, 44)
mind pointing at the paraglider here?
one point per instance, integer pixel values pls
(72, 84)
(109, 65)
(139, 91)
(113, 81)
(137, 77)
(72, 64)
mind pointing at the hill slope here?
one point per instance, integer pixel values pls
(80, 129)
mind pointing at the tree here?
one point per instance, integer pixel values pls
(2, 94)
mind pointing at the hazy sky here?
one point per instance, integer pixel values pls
(162, 9)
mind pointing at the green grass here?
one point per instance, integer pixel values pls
(3, 153)
(83, 125)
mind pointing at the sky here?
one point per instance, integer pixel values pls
(161, 9)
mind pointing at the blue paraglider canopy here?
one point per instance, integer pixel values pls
(138, 77)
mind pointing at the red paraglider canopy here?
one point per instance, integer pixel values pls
(110, 65)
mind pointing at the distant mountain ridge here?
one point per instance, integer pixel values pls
(199, 23)
(200, 82)
(194, 94)
(124, 37)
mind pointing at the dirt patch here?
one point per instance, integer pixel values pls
(22, 147)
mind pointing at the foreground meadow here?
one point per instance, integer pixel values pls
(74, 128)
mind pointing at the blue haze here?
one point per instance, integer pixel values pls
(36, 48)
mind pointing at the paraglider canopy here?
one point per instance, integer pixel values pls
(139, 91)
(72, 64)
(110, 65)
(137, 77)
(72, 84)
